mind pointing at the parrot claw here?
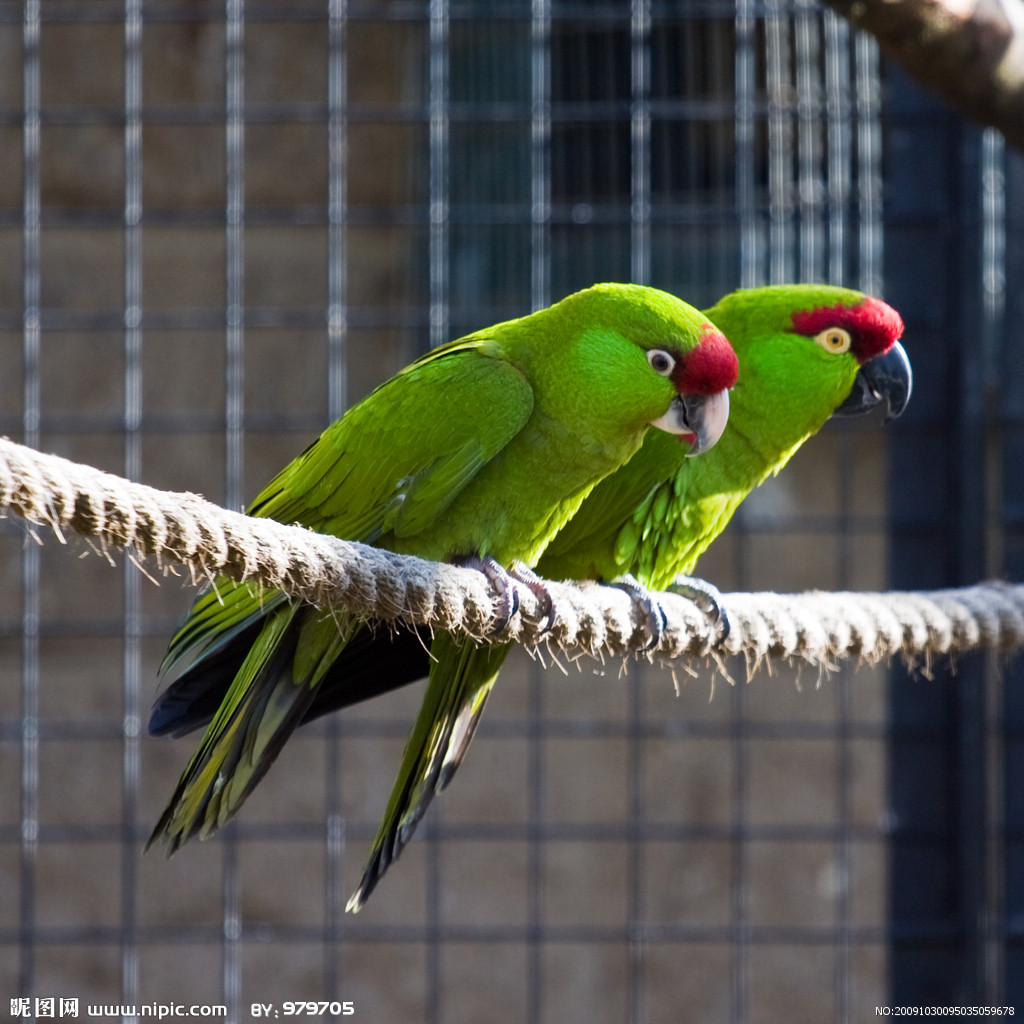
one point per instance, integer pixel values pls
(503, 582)
(708, 598)
(522, 573)
(655, 615)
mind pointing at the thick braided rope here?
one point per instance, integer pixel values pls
(590, 619)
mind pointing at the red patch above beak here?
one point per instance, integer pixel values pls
(710, 367)
(874, 325)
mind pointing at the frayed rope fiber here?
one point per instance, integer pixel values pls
(590, 619)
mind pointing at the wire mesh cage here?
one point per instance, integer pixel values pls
(221, 225)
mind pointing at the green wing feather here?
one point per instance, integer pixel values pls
(350, 482)
(218, 615)
(462, 675)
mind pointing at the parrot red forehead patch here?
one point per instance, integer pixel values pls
(710, 367)
(873, 325)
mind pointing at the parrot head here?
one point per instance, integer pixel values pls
(811, 351)
(870, 330)
(641, 351)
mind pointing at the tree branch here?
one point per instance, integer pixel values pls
(970, 53)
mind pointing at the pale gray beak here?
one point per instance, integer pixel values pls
(699, 419)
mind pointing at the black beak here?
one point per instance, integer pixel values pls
(886, 378)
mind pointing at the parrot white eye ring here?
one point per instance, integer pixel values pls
(836, 340)
(661, 362)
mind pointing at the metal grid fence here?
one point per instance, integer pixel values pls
(220, 224)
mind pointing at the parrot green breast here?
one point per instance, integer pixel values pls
(653, 522)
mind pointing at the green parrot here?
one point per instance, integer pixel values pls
(478, 452)
(805, 352)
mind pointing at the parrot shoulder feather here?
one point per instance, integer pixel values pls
(374, 472)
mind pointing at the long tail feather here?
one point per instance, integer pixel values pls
(461, 677)
(374, 662)
(266, 701)
(192, 699)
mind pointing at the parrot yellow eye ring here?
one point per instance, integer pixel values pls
(661, 362)
(834, 339)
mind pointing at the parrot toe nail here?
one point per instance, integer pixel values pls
(724, 627)
(507, 603)
(524, 574)
(655, 620)
(708, 599)
(506, 582)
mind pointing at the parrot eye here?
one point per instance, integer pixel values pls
(661, 362)
(834, 340)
